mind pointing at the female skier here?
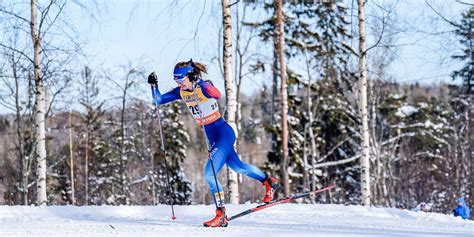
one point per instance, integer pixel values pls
(221, 137)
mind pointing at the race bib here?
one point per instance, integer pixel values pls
(206, 111)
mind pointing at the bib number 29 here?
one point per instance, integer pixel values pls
(194, 109)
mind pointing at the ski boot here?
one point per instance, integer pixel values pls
(220, 220)
(271, 185)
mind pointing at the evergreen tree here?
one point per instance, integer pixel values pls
(59, 182)
(93, 148)
(465, 30)
(462, 103)
(316, 37)
(176, 141)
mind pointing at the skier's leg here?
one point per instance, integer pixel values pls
(219, 153)
(234, 162)
(271, 184)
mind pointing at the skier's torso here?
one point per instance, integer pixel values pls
(207, 111)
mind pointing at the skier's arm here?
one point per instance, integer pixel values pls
(209, 90)
(167, 97)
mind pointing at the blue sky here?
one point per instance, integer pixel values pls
(160, 33)
(154, 35)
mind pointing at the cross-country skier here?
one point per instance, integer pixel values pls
(221, 137)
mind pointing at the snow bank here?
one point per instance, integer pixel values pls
(283, 220)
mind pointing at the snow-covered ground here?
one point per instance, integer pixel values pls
(283, 220)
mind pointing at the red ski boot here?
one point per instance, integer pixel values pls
(220, 220)
(271, 185)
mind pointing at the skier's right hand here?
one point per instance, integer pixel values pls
(152, 79)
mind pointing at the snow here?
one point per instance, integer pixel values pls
(406, 111)
(429, 124)
(396, 96)
(298, 220)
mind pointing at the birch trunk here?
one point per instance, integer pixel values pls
(71, 161)
(284, 103)
(308, 127)
(86, 168)
(365, 159)
(231, 102)
(40, 109)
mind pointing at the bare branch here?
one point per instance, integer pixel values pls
(339, 162)
(465, 3)
(44, 14)
(52, 22)
(333, 149)
(442, 17)
(15, 15)
(16, 50)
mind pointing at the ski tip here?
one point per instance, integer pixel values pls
(173, 218)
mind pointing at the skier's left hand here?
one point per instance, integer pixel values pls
(152, 78)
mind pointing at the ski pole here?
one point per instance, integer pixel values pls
(154, 87)
(208, 147)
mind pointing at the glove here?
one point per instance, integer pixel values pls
(152, 78)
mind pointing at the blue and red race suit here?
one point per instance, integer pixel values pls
(220, 134)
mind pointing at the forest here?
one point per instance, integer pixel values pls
(328, 109)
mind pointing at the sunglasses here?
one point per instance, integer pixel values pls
(180, 80)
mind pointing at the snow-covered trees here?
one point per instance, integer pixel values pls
(176, 140)
(463, 104)
(464, 31)
(317, 37)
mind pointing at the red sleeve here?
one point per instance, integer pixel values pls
(209, 90)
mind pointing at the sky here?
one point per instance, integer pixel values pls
(154, 35)
(161, 33)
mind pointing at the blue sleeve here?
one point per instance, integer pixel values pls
(167, 97)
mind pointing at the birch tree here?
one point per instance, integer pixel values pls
(51, 63)
(365, 159)
(40, 107)
(231, 100)
(16, 80)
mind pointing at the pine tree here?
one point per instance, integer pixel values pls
(316, 37)
(93, 148)
(59, 182)
(463, 102)
(176, 141)
(465, 30)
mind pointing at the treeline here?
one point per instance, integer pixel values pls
(420, 150)
(114, 155)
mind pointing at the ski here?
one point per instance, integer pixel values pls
(281, 201)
